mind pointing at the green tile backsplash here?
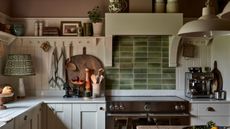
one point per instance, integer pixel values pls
(140, 62)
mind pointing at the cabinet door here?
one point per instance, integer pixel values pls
(88, 116)
(8, 125)
(59, 116)
(36, 118)
(24, 121)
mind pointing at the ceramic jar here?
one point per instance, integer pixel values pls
(18, 29)
(172, 6)
(159, 6)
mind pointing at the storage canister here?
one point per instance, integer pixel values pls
(159, 6)
(172, 6)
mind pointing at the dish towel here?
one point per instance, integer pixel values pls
(57, 68)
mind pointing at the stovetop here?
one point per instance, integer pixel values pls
(144, 98)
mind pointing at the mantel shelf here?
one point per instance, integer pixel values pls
(58, 37)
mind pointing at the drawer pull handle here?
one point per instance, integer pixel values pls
(25, 117)
(101, 108)
(211, 109)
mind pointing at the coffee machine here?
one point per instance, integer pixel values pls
(198, 83)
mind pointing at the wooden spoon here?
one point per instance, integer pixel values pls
(70, 65)
(93, 78)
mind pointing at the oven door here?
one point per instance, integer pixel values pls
(132, 120)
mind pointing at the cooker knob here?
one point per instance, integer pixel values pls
(177, 108)
(147, 107)
(121, 107)
(182, 107)
(116, 107)
(111, 107)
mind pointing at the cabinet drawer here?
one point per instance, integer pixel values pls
(219, 120)
(214, 109)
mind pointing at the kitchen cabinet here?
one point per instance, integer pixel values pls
(8, 125)
(88, 116)
(30, 119)
(216, 112)
(59, 116)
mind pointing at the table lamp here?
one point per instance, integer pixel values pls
(19, 65)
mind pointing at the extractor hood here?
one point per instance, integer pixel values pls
(145, 24)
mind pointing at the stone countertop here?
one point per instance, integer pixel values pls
(205, 100)
(20, 106)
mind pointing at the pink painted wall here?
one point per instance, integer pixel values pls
(54, 8)
(5, 6)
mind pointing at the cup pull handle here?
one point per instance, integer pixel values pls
(211, 109)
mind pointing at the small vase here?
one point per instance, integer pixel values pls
(97, 28)
(18, 29)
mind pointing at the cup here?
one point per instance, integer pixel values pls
(96, 90)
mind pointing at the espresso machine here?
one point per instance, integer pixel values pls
(198, 83)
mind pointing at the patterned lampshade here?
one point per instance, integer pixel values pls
(19, 65)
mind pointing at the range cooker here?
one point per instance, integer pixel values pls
(127, 112)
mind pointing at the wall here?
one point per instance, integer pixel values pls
(57, 8)
(5, 6)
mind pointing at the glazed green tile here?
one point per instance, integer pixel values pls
(137, 59)
(140, 76)
(152, 76)
(126, 65)
(154, 49)
(112, 82)
(116, 48)
(140, 70)
(140, 43)
(168, 81)
(154, 65)
(155, 38)
(126, 54)
(151, 71)
(169, 70)
(155, 43)
(126, 87)
(140, 49)
(169, 87)
(116, 54)
(112, 76)
(126, 48)
(140, 86)
(122, 38)
(140, 65)
(140, 38)
(140, 54)
(154, 60)
(126, 43)
(169, 75)
(165, 38)
(126, 81)
(140, 81)
(129, 76)
(165, 65)
(127, 60)
(110, 87)
(165, 60)
(154, 81)
(165, 43)
(154, 55)
(122, 71)
(112, 71)
(165, 49)
(165, 54)
(116, 59)
(156, 87)
(115, 64)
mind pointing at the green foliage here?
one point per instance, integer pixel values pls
(95, 15)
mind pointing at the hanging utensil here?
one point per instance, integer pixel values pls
(217, 83)
(70, 65)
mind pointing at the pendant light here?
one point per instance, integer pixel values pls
(208, 25)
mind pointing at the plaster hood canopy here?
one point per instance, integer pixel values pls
(208, 25)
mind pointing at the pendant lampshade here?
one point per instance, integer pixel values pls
(208, 25)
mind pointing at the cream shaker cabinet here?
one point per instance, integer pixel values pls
(88, 116)
(30, 119)
(75, 116)
(8, 125)
(219, 113)
(59, 116)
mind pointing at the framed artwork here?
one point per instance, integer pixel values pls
(70, 28)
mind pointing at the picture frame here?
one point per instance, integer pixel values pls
(71, 28)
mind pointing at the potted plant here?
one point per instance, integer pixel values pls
(96, 19)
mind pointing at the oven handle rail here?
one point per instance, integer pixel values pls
(147, 114)
(127, 114)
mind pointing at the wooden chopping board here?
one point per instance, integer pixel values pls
(82, 62)
(217, 82)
